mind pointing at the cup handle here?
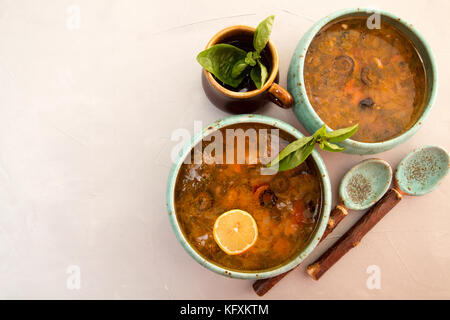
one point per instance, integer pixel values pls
(280, 96)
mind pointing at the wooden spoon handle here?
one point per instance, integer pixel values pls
(336, 216)
(354, 236)
(262, 286)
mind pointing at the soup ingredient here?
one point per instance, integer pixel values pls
(235, 231)
(279, 184)
(369, 77)
(366, 103)
(297, 152)
(267, 199)
(204, 201)
(231, 65)
(345, 66)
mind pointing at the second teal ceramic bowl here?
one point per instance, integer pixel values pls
(321, 224)
(303, 108)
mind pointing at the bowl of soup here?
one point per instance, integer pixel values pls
(224, 168)
(368, 67)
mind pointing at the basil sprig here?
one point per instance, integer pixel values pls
(297, 152)
(231, 64)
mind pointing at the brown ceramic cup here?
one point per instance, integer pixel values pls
(245, 102)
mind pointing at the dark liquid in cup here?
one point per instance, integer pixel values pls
(245, 42)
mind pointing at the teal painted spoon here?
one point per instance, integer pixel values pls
(419, 173)
(361, 187)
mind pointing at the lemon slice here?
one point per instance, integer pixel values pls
(235, 231)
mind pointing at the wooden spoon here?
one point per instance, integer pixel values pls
(360, 188)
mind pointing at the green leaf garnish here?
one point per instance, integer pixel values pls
(296, 158)
(231, 64)
(220, 60)
(262, 33)
(297, 152)
(341, 134)
(328, 146)
(320, 132)
(238, 68)
(294, 146)
(250, 59)
(259, 74)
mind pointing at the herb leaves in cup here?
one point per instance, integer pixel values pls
(231, 64)
(297, 152)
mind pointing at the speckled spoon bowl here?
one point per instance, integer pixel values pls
(365, 184)
(419, 173)
(361, 187)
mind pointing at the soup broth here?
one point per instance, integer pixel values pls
(285, 205)
(374, 77)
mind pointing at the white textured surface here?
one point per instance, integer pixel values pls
(86, 115)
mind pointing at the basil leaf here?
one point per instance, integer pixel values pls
(296, 158)
(290, 148)
(262, 33)
(220, 60)
(341, 134)
(320, 132)
(238, 68)
(259, 74)
(250, 59)
(327, 146)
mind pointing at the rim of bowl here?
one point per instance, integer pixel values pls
(315, 237)
(219, 36)
(386, 144)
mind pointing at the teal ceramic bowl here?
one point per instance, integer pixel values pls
(321, 224)
(303, 108)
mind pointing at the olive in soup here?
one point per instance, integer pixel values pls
(285, 205)
(374, 77)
